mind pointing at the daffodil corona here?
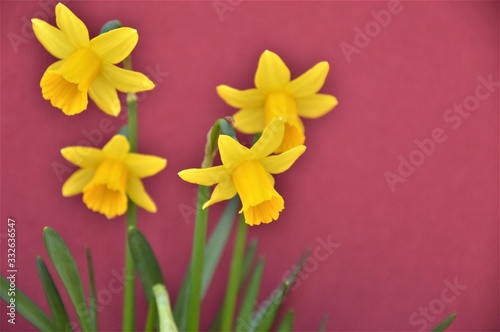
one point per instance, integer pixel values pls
(109, 175)
(247, 172)
(86, 67)
(275, 96)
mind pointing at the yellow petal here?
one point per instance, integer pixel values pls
(117, 147)
(315, 106)
(62, 93)
(72, 26)
(269, 141)
(232, 153)
(137, 193)
(83, 156)
(250, 121)
(294, 136)
(310, 82)
(205, 176)
(114, 46)
(77, 181)
(126, 80)
(105, 96)
(251, 98)
(279, 163)
(142, 166)
(223, 191)
(272, 73)
(53, 39)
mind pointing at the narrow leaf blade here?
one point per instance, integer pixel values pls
(247, 305)
(287, 322)
(92, 292)
(56, 305)
(145, 262)
(445, 323)
(66, 268)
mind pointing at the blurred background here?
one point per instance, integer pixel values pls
(397, 194)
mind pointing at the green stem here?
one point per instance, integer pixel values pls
(234, 276)
(129, 295)
(196, 268)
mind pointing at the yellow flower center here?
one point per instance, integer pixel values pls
(67, 86)
(282, 105)
(261, 202)
(106, 192)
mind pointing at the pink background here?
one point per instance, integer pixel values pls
(398, 249)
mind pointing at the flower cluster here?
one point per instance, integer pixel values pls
(108, 177)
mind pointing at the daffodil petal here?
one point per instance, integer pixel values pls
(53, 39)
(316, 105)
(72, 26)
(269, 141)
(310, 82)
(137, 193)
(114, 46)
(126, 80)
(117, 147)
(251, 98)
(250, 121)
(77, 181)
(143, 166)
(105, 96)
(223, 191)
(272, 73)
(205, 176)
(231, 152)
(83, 156)
(279, 163)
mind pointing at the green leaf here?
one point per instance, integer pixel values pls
(247, 304)
(217, 243)
(245, 268)
(234, 276)
(92, 292)
(145, 262)
(248, 260)
(25, 307)
(167, 323)
(66, 268)
(263, 319)
(445, 323)
(213, 251)
(59, 314)
(287, 322)
(322, 325)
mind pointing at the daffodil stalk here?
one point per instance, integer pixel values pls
(129, 295)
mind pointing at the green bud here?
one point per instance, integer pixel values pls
(110, 25)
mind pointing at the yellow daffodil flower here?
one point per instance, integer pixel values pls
(109, 175)
(86, 67)
(247, 172)
(276, 96)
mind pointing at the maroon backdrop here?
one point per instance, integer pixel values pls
(397, 194)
